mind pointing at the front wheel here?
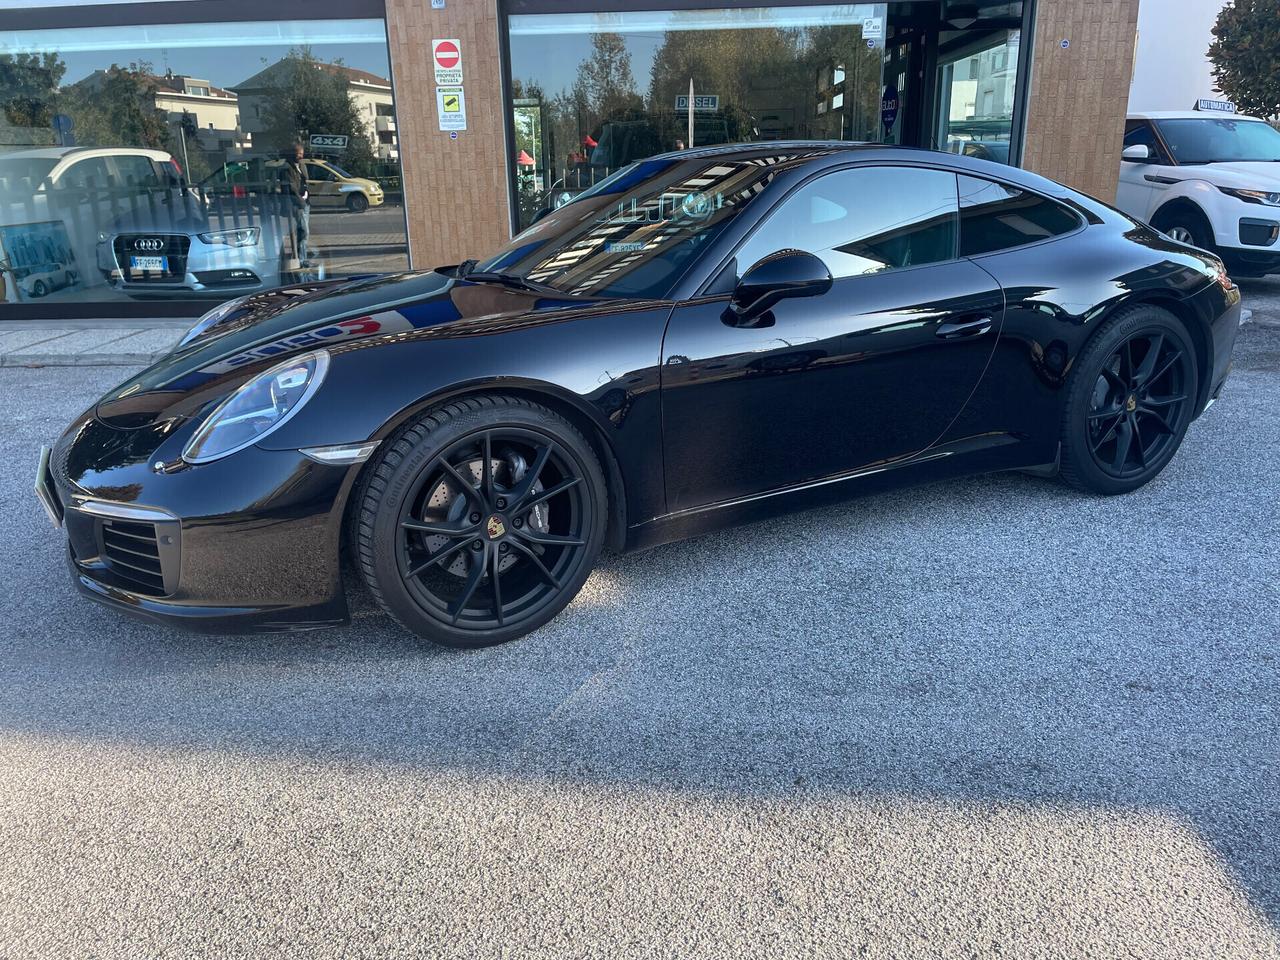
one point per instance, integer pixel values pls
(357, 202)
(1129, 401)
(481, 521)
(39, 289)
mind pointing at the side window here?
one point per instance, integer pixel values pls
(317, 172)
(994, 216)
(1140, 132)
(90, 172)
(864, 220)
(135, 171)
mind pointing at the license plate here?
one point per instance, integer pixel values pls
(45, 491)
(160, 264)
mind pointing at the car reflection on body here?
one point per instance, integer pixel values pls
(711, 337)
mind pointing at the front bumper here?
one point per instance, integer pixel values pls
(201, 270)
(249, 543)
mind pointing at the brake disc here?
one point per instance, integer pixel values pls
(448, 503)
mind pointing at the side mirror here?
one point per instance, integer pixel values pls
(779, 276)
(1138, 153)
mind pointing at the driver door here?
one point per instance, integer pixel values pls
(872, 371)
(323, 185)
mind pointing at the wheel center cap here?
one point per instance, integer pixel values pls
(495, 527)
(1130, 404)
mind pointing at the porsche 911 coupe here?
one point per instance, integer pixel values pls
(704, 338)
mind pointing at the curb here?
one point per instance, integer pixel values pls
(81, 360)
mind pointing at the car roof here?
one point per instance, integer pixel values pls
(828, 153)
(1191, 115)
(58, 153)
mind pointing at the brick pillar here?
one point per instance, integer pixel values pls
(455, 190)
(1080, 94)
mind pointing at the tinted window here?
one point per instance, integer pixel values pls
(136, 170)
(994, 216)
(1140, 133)
(864, 221)
(1219, 140)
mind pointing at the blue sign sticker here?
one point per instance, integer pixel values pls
(1065, 43)
(889, 107)
(453, 134)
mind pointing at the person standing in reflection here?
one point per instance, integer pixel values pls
(299, 202)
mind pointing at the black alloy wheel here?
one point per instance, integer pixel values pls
(357, 202)
(482, 521)
(1131, 398)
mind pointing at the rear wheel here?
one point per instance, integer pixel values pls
(1129, 401)
(481, 521)
(39, 289)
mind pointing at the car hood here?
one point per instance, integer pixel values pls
(267, 328)
(362, 182)
(1245, 173)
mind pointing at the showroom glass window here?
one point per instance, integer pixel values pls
(592, 92)
(862, 221)
(156, 163)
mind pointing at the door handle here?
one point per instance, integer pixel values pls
(965, 329)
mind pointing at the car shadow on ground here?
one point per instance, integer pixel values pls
(999, 640)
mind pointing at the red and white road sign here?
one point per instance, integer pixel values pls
(446, 56)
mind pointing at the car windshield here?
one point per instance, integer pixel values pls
(1220, 140)
(635, 234)
(24, 173)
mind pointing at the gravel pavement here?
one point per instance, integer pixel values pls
(984, 718)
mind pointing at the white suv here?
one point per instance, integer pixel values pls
(1208, 179)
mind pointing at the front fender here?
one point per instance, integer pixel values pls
(604, 364)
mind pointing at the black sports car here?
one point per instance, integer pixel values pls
(707, 338)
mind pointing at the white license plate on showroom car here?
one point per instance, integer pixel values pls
(160, 264)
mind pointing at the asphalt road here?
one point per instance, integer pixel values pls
(983, 718)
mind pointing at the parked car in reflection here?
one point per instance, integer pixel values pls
(330, 186)
(192, 254)
(44, 279)
(82, 189)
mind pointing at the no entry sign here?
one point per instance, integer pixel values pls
(446, 57)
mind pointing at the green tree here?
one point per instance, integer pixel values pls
(1246, 55)
(28, 85)
(605, 82)
(116, 107)
(307, 98)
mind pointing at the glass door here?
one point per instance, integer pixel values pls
(977, 93)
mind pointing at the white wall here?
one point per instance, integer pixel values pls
(1172, 70)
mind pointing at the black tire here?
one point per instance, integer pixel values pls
(1187, 225)
(39, 289)
(357, 202)
(1127, 410)
(542, 505)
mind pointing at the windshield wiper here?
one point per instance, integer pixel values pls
(508, 280)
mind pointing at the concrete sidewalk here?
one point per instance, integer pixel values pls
(71, 344)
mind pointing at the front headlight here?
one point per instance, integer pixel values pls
(244, 237)
(212, 318)
(260, 407)
(1264, 197)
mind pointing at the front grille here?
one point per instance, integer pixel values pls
(173, 246)
(132, 551)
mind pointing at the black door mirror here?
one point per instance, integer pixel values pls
(787, 273)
